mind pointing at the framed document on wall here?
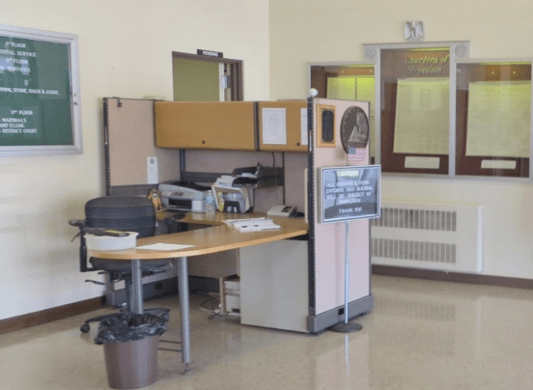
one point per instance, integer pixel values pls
(493, 118)
(415, 109)
(39, 92)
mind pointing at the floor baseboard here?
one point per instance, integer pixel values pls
(150, 291)
(443, 276)
(55, 313)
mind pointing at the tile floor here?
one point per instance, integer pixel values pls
(421, 335)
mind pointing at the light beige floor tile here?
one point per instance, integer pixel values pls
(421, 335)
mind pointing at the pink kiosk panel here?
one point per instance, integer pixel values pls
(330, 238)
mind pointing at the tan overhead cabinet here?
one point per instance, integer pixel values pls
(283, 126)
(205, 125)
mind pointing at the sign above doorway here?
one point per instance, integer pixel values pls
(209, 53)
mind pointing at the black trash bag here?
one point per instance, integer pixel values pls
(130, 327)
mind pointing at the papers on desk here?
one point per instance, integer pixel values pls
(252, 224)
(160, 246)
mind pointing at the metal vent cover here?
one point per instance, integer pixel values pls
(428, 236)
(413, 250)
(410, 218)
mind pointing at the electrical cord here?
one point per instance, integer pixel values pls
(276, 176)
(216, 315)
(214, 305)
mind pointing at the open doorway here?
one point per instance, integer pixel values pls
(346, 81)
(204, 78)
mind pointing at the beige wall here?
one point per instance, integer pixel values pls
(125, 50)
(314, 31)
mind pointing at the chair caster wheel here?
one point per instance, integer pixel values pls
(85, 328)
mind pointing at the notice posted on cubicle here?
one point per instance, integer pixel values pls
(349, 193)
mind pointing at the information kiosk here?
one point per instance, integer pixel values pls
(341, 134)
(348, 193)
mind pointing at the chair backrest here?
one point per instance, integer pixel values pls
(127, 213)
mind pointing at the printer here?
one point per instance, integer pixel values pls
(183, 196)
(233, 193)
(229, 198)
(258, 177)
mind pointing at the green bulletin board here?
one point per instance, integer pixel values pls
(39, 98)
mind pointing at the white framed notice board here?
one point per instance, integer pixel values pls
(39, 92)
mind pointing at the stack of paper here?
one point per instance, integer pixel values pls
(252, 224)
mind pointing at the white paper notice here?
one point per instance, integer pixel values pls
(499, 119)
(274, 126)
(498, 164)
(422, 162)
(303, 126)
(164, 247)
(422, 116)
(152, 171)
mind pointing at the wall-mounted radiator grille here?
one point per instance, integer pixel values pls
(413, 250)
(444, 237)
(417, 219)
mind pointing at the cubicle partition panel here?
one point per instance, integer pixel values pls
(134, 164)
(143, 139)
(329, 239)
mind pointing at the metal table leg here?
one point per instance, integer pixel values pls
(137, 287)
(183, 280)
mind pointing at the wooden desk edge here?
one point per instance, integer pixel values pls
(230, 239)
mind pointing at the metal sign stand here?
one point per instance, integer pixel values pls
(346, 327)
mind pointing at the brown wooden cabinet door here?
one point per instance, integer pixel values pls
(205, 125)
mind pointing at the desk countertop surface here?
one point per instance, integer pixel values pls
(217, 237)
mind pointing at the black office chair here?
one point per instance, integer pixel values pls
(131, 213)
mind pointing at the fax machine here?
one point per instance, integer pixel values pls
(183, 196)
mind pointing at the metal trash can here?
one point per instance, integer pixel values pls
(133, 364)
(130, 348)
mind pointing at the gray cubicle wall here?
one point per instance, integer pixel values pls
(129, 138)
(129, 143)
